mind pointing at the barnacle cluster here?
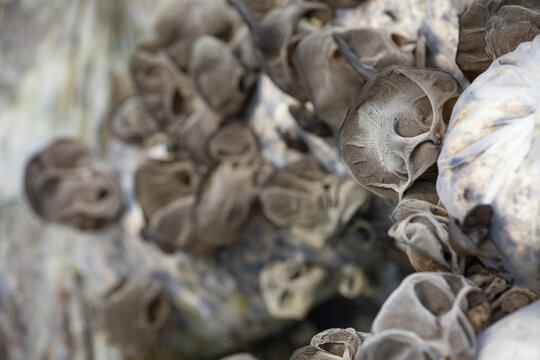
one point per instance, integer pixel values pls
(295, 234)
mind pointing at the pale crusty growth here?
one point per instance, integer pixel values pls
(182, 22)
(397, 344)
(471, 55)
(275, 38)
(168, 94)
(158, 183)
(332, 344)
(314, 204)
(66, 184)
(510, 23)
(488, 178)
(392, 134)
(226, 199)
(438, 307)
(331, 82)
(171, 229)
(134, 312)
(290, 288)
(234, 142)
(219, 76)
(421, 229)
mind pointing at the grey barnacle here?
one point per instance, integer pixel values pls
(227, 195)
(181, 23)
(219, 76)
(510, 23)
(290, 288)
(66, 184)
(171, 228)
(332, 344)
(168, 94)
(193, 134)
(471, 55)
(275, 38)
(234, 142)
(315, 205)
(135, 312)
(159, 182)
(392, 134)
(421, 229)
(333, 72)
(440, 310)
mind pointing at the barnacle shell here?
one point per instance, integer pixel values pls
(471, 55)
(510, 23)
(392, 134)
(66, 184)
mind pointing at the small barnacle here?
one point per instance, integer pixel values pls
(290, 288)
(168, 94)
(313, 204)
(219, 76)
(234, 142)
(159, 182)
(66, 184)
(227, 195)
(194, 134)
(181, 23)
(511, 300)
(332, 344)
(510, 23)
(471, 55)
(275, 37)
(170, 228)
(421, 229)
(135, 312)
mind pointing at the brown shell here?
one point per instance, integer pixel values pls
(219, 76)
(392, 134)
(331, 82)
(181, 23)
(66, 184)
(168, 94)
(510, 23)
(158, 183)
(275, 37)
(471, 55)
